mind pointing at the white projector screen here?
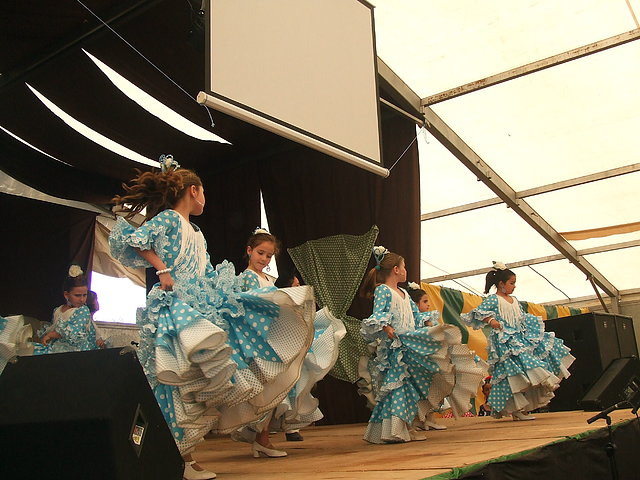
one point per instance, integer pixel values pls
(304, 69)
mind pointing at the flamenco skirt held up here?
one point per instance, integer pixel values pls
(405, 378)
(220, 359)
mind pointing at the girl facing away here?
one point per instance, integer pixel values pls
(72, 328)
(406, 357)
(213, 356)
(526, 363)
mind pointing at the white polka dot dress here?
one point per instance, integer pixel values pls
(526, 363)
(297, 408)
(216, 358)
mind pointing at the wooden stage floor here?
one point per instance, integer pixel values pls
(338, 451)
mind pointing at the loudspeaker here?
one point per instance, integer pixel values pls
(620, 382)
(83, 415)
(595, 339)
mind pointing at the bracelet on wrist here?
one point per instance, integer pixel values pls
(165, 270)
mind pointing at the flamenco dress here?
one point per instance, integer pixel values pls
(526, 363)
(78, 333)
(215, 357)
(403, 370)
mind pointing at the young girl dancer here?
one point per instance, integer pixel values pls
(467, 368)
(526, 363)
(407, 356)
(216, 358)
(299, 408)
(72, 329)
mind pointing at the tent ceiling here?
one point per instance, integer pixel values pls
(575, 119)
(43, 48)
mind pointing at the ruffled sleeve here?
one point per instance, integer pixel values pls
(78, 329)
(152, 235)
(488, 308)
(432, 316)
(381, 316)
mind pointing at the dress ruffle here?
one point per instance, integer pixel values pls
(187, 363)
(466, 372)
(266, 375)
(14, 339)
(405, 371)
(300, 409)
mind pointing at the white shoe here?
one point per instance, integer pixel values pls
(522, 416)
(416, 436)
(191, 473)
(258, 449)
(430, 425)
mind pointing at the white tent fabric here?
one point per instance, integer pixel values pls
(574, 119)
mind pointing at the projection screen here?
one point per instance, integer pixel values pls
(303, 69)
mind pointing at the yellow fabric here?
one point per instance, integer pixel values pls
(602, 231)
(537, 310)
(470, 302)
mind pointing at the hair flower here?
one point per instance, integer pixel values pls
(260, 230)
(378, 253)
(413, 286)
(75, 271)
(499, 266)
(168, 163)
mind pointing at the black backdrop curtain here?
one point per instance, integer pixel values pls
(39, 242)
(309, 195)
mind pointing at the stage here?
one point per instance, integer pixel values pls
(338, 451)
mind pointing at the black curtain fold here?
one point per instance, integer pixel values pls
(40, 241)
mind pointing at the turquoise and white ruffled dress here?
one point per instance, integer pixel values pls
(526, 363)
(78, 333)
(215, 357)
(300, 409)
(15, 339)
(404, 370)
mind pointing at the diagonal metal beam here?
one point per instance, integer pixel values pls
(552, 187)
(445, 135)
(533, 67)
(534, 261)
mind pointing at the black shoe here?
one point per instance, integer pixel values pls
(294, 437)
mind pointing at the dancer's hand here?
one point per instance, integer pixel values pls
(493, 323)
(388, 329)
(166, 281)
(49, 336)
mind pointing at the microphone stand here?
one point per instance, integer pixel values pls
(610, 448)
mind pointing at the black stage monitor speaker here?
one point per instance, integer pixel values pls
(618, 384)
(83, 415)
(595, 339)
